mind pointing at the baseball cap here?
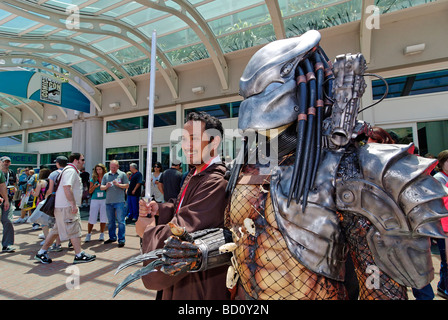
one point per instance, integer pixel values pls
(61, 159)
(5, 158)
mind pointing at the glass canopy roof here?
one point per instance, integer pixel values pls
(100, 41)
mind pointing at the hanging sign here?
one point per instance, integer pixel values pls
(50, 90)
(43, 88)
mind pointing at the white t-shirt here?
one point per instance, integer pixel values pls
(70, 176)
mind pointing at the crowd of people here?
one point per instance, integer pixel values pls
(111, 197)
(115, 200)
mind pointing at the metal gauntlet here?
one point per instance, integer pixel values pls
(208, 242)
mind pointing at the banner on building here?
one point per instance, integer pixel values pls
(43, 88)
(50, 90)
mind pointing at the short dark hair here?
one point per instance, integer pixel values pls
(74, 156)
(210, 121)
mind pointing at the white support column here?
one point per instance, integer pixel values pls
(179, 116)
(79, 136)
(24, 140)
(93, 143)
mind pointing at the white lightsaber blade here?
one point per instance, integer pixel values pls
(152, 84)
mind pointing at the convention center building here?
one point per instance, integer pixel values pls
(75, 74)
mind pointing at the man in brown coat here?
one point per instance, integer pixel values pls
(199, 205)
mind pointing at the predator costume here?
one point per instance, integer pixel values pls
(295, 214)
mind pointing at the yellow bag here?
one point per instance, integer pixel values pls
(30, 204)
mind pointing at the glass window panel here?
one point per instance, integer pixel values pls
(122, 153)
(110, 44)
(17, 25)
(432, 137)
(50, 66)
(117, 73)
(11, 140)
(289, 8)
(217, 8)
(138, 67)
(111, 28)
(414, 84)
(247, 38)
(430, 82)
(118, 11)
(240, 20)
(401, 135)
(3, 105)
(187, 54)
(63, 133)
(120, 125)
(4, 14)
(220, 111)
(98, 5)
(23, 60)
(38, 136)
(163, 119)
(173, 5)
(12, 101)
(127, 54)
(137, 123)
(86, 67)
(47, 159)
(178, 39)
(142, 16)
(100, 77)
(137, 39)
(323, 18)
(87, 53)
(386, 6)
(64, 3)
(163, 26)
(46, 72)
(235, 107)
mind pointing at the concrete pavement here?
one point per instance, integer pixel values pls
(22, 277)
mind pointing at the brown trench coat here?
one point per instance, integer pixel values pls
(202, 208)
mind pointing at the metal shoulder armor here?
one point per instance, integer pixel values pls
(404, 204)
(313, 237)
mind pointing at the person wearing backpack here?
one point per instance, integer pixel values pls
(66, 212)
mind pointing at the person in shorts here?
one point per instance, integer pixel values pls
(66, 212)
